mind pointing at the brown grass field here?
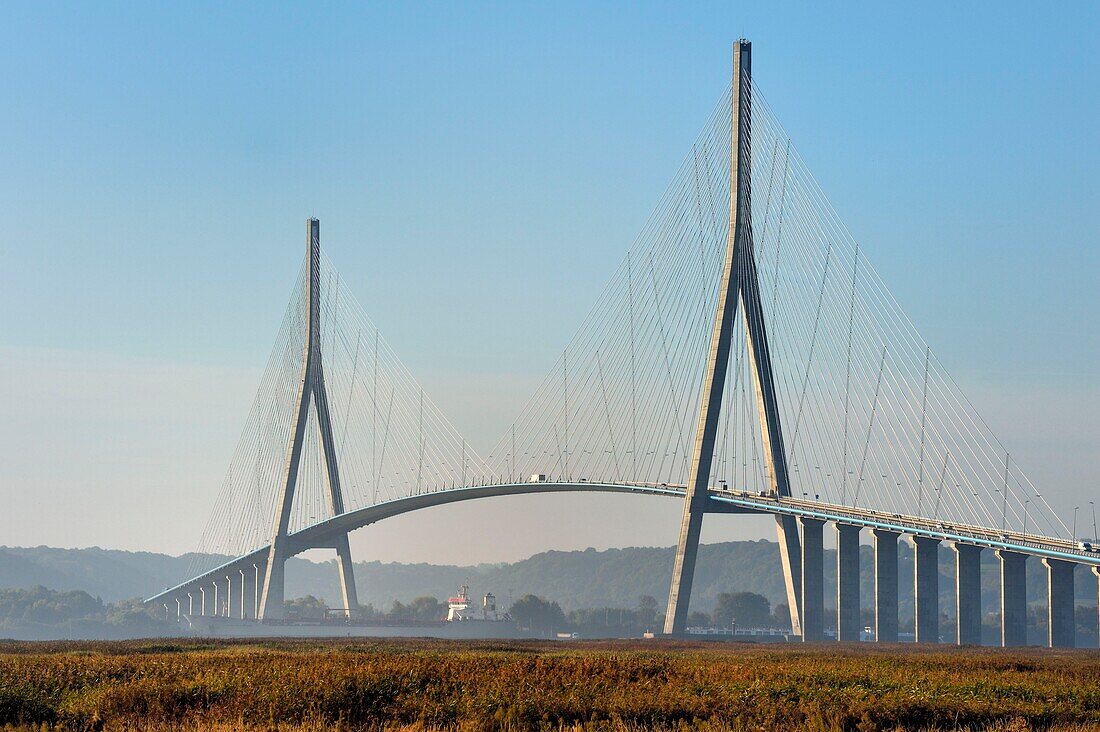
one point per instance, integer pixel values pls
(527, 685)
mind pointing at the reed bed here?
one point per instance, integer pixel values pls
(518, 685)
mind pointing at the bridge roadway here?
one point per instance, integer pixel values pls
(1059, 556)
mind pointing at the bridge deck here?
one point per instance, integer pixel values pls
(724, 500)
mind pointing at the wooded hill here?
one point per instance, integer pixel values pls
(574, 579)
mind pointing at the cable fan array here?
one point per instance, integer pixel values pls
(870, 417)
(391, 440)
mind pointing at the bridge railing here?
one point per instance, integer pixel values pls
(945, 529)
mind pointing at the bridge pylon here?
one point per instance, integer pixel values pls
(311, 388)
(739, 282)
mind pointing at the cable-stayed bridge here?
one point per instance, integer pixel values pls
(745, 357)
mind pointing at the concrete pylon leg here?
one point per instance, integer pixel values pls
(926, 589)
(336, 495)
(847, 582)
(271, 600)
(813, 580)
(790, 558)
(1013, 598)
(190, 604)
(347, 576)
(202, 604)
(217, 599)
(229, 596)
(683, 567)
(1061, 625)
(886, 585)
(968, 594)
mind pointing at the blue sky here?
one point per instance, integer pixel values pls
(479, 171)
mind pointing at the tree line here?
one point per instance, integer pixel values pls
(42, 606)
(41, 609)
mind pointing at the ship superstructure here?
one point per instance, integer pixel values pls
(459, 608)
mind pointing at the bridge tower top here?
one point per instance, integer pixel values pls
(311, 351)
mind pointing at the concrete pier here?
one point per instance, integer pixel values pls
(926, 588)
(1096, 571)
(1061, 627)
(886, 585)
(813, 580)
(1013, 598)
(248, 584)
(968, 594)
(847, 582)
(259, 571)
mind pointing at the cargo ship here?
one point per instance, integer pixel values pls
(460, 609)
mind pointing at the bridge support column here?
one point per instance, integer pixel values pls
(813, 580)
(1013, 598)
(248, 591)
(229, 596)
(968, 594)
(202, 604)
(847, 582)
(1096, 571)
(1061, 625)
(217, 599)
(190, 604)
(260, 573)
(886, 585)
(926, 589)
